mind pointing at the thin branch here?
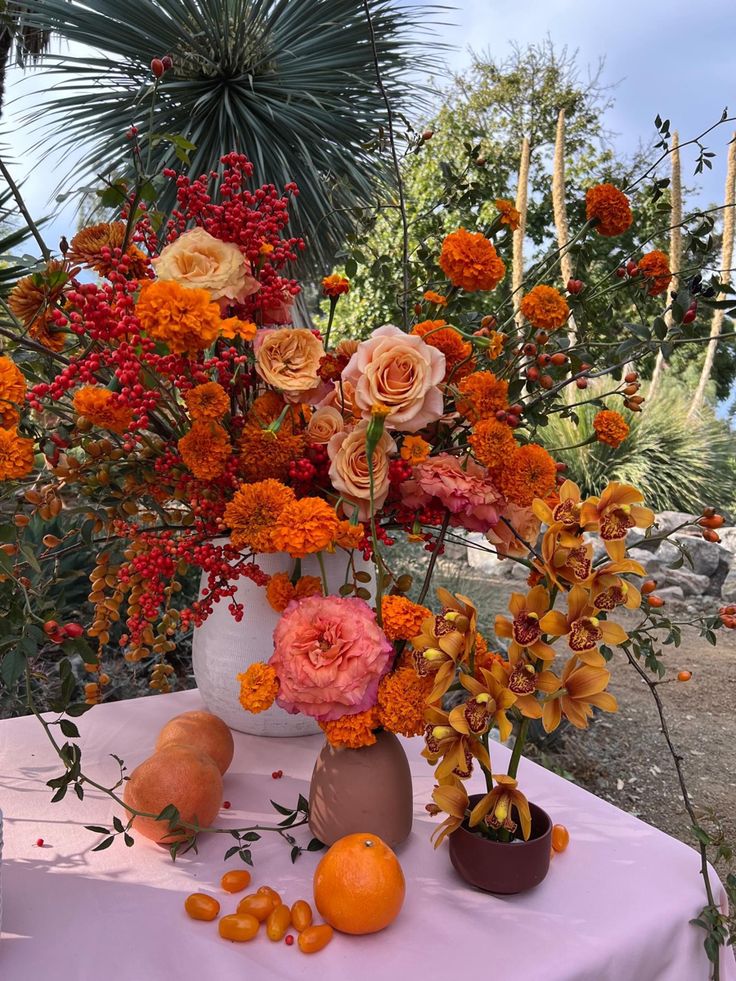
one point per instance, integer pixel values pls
(25, 212)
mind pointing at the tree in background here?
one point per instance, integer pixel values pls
(16, 32)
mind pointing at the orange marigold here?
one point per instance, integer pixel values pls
(352, 731)
(610, 427)
(335, 285)
(402, 699)
(610, 209)
(415, 449)
(496, 342)
(16, 455)
(482, 395)
(12, 392)
(259, 687)
(208, 402)
(349, 535)
(437, 298)
(308, 586)
(266, 408)
(185, 319)
(87, 247)
(401, 618)
(482, 656)
(530, 472)
(492, 442)
(305, 526)
(655, 268)
(205, 450)
(545, 308)
(457, 352)
(264, 453)
(253, 512)
(508, 213)
(280, 590)
(102, 408)
(33, 298)
(470, 261)
(232, 327)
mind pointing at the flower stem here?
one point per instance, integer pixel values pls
(518, 747)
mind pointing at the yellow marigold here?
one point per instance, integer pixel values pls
(470, 261)
(208, 402)
(12, 392)
(267, 454)
(482, 395)
(102, 408)
(528, 473)
(87, 245)
(655, 268)
(437, 298)
(352, 731)
(279, 591)
(205, 449)
(16, 455)
(610, 427)
(492, 442)
(508, 213)
(545, 308)
(402, 699)
(401, 618)
(259, 687)
(32, 299)
(415, 449)
(457, 352)
(349, 535)
(185, 319)
(253, 512)
(610, 209)
(335, 285)
(305, 526)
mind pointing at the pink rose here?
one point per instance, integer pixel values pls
(349, 473)
(526, 525)
(330, 655)
(464, 488)
(400, 371)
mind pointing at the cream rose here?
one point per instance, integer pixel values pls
(199, 260)
(400, 371)
(325, 422)
(349, 468)
(288, 359)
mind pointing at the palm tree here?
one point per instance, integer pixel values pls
(292, 83)
(29, 41)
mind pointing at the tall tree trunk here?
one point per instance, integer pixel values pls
(729, 202)
(522, 193)
(559, 208)
(675, 257)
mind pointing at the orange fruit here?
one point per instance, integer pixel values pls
(358, 885)
(177, 775)
(684, 675)
(200, 906)
(203, 730)
(560, 837)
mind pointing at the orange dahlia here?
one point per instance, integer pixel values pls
(208, 402)
(253, 512)
(482, 395)
(655, 268)
(470, 261)
(259, 687)
(101, 407)
(12, 392)
(508, 213)
(264, 453)
(185, 319)
(401, 618)
(305, 526)
(352, 731)
(88, 244)
(493, 442)
(457, 352)
(530, 472)
(545, 308)
(402, 699)
(205, 450)
(610, 209)
(16, 455)
(335, 285)
(610, 427)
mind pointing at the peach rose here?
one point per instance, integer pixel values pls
(201, 261)
(400, 371)
(342, 397)
(524, 522)
(325, 422)
(349, 468)
(288, 358)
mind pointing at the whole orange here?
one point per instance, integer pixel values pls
(359, 886)
(177, 775)
(203, 730)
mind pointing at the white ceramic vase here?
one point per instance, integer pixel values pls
(222, 649)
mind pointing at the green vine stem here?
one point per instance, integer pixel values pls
(518, 747)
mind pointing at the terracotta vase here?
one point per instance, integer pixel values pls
(501, 867)
(365, 790)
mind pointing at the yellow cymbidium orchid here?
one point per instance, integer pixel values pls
(525, 629)
(455, 747)
(583, 629)
(496, 807)
(618, 509)
(491, 698)
(608, 590)
(582, 687)
(451, 798)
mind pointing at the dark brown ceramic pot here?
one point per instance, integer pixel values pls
(365, 790)
(503, 867)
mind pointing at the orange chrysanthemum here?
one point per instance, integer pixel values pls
(335, 285)
(348, 535)
(205, 450)
(16, 455)
(437, 298)
(253, 512)
(402, 699)
(530, 472)
(266, 408)
(482, 395)
(470, 261)
(655, 268)
(259, 687)
(352, 731)
(401, 618)
(483, 657)
(415, 449)
(94, 246)
(493, 442)
(610, 208)
(33, 298)
(185, 319)
(280, 590)
(496, 342)
(305, 526)
(208, 402)
(232, 327)
(12, 392)
(457, 352)
(545, 308)
(610, 427)
(101, 407)
(508, 213)
(264, 453)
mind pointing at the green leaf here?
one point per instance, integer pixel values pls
(12, 667)
(315, 845)
(281, 809)
(103, 845)
(97, 829)
(295, 853)
(69, 729)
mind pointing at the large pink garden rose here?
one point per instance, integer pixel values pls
(464, 488)
(329, 656)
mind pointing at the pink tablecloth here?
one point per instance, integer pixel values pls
(614, 907)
